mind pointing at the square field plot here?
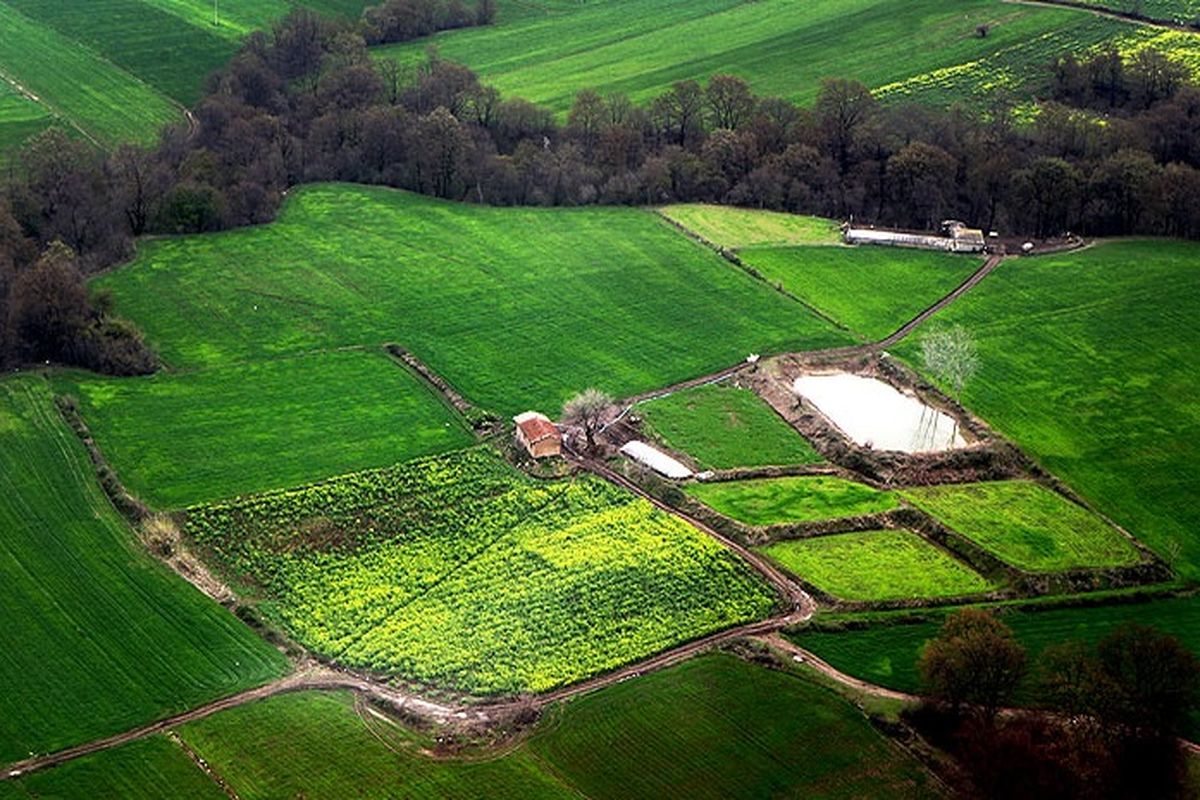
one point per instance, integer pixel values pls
(877, 565)
(1026, 525)
(722, 426)
(776, 501)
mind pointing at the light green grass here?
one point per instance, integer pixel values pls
(171, 55)
(734, 228)
(925, 50)
(1087, 361)
(1026, 525)
(20, 118)
(708, 728)
(195, 436)
(517, 308)
(722, 426)
(463, 572)
(773, 501)
(109, 104)
(147, 769)
(871, 290)
(237, 17)
(877, 565)
(1181, 11)
(97, 637)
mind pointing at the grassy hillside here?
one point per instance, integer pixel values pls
(517, 308)
(1087, 361)
(462, 572)
(20, 118)
(871, 290)
(97, 636)
(925, 49)
(735, 228)
(722, 426)
(260, 425)
(714, 727)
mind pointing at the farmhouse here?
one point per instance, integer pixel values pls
(538, 435)
(956, 237)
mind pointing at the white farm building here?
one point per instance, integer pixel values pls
(957, 238)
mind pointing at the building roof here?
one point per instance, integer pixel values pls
(535, 427)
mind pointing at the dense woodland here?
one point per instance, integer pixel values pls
(1114, 150)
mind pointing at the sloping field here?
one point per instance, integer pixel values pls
(714, 727)
(211, 434)
(108, 104)
(926, 49)
(1026, 525)
(97, 638)
(1181, 11)
(735, 228)
(877, 565)
(20, 118)
(871, 290)
(722, 426)
(462, 572)
(1087, 361)
(517, 308)
(774, 501)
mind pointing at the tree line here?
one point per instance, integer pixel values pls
(306, 102)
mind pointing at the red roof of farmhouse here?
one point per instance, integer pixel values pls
(536, 427)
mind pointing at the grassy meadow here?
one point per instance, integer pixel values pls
(923, 50)
(462, 572)
(1087, 362)
(734, 228)
(773, 501)
(722, 426)
(871, 290)
(98, 637)
(708, 728)
(517, 308)
(20, 118)
(210, 434)
(877, 565)
(1026, 525)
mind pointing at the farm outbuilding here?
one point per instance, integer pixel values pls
(956, 238)
(538, 435)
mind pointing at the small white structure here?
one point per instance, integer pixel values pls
(875, 414)
(957, 238)
(656, 460)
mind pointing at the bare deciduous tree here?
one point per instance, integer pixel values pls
(587, 410)
(951, 357)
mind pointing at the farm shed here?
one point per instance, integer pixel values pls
(538, 435)
(958, 238)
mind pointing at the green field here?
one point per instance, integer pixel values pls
(97, 637)
(871, 290)
(1026, 525)
(1181, 11)
(106, 103)
(211, 434)
(462, 572)
(517, 308)
(722, 426)
(713, 727)
(734, 228)
(1087, 362)
(923, 50)
(775, 501)
(877, 565)
(887, 654)
(20, 118)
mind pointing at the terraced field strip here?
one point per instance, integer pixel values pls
(106, 103)
(736, 228)
(20, 117)
(777, 501)
(105, 637)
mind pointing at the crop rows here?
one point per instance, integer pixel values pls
(460, 572)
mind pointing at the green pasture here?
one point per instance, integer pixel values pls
(20, 118)
(709, 728)
(871, 290)
(887, 653)
(774, 501)
(722, 426)
(1026, 525)
(190, 437)
(924, 50)
(734, 228)
(517, 308)
(1179, 11)
(462, 572)
(877, 565)
(107, 103)
(97, 637)
(1087, 361)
